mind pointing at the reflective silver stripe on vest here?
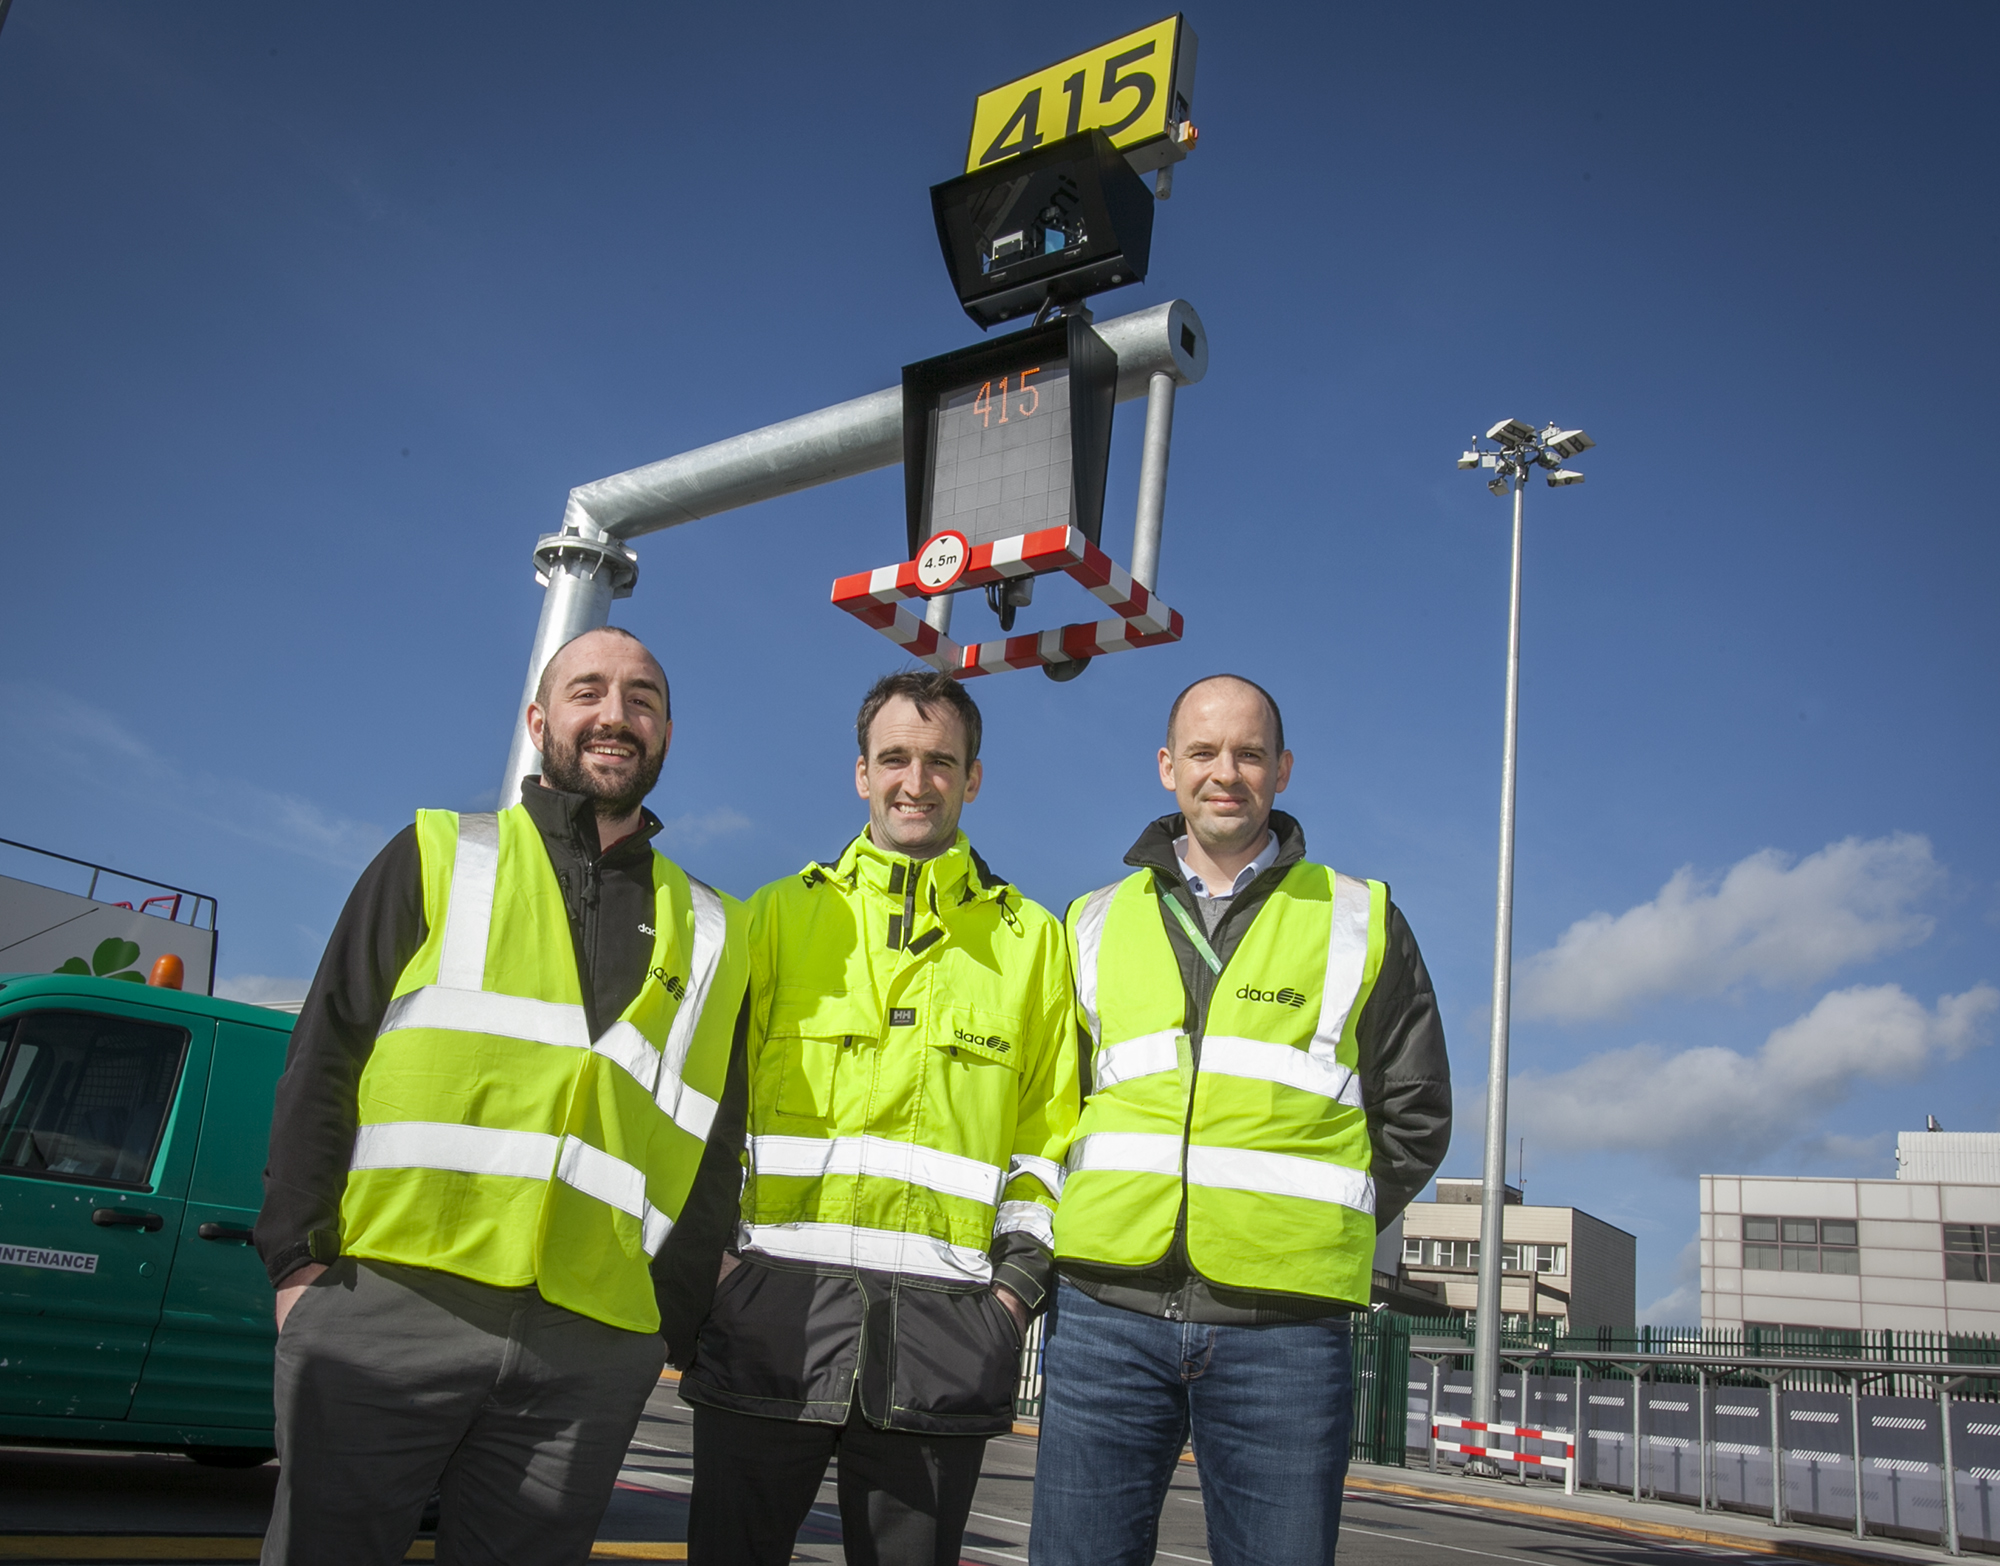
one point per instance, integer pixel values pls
(1346, 962)
(429, 1144)
(1225, 1168)
(519, 1155)
(615, 1183)
(486, 1011)
(1026, 1218)
(1046, 1170)
(1281, 1174)
(468, 917)
(1135, 1152)
(688, 1107)
(1310, 1072)
(814, 1158)
(1089, 940)
(878, 1250)
(1140, 1057)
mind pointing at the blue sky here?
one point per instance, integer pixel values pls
(312, 317)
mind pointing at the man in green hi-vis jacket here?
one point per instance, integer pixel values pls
(912, 1088)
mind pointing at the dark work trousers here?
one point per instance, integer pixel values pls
(904, 1495)
(394, 1381)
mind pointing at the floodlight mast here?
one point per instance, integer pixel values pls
(1519, 451)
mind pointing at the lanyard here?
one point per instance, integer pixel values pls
(1193, 932)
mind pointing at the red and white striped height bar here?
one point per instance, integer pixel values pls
(876, 597)
(1518, 1433)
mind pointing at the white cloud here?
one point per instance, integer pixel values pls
(1680, 1306)
(1694, 1106)
(88, 746)
(1767, 921)
(262, 989)
(696, 828)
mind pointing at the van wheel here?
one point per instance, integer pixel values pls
(231, 1456)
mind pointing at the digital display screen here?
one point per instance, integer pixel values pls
(1001, 455)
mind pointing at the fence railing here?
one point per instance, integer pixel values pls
(1851, 1428)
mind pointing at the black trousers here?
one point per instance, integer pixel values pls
(904, 1496)
(392, 1380)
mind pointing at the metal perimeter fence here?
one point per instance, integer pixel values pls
(1860, 1427)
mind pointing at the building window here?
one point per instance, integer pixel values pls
(1516, 1256)
(1971, 1251)
(1801, 1245)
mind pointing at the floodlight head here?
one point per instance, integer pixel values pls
(1498, 485)
(1511, 432)
(1567, 443)
(1562, 478)
(1055, 225)
(1469, 459)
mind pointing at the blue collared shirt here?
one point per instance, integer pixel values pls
(1266, 857)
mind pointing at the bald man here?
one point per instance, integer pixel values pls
(1266, 1086)
(504, 1152)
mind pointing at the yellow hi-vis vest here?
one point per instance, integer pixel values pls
(499, 1141)
(1264, 1136)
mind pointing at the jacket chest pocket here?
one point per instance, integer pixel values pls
(809, 1041)
(974, 1070)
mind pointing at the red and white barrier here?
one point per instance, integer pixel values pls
(1518, 1434)
(876, 598)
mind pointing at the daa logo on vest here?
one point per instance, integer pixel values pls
(1284, 997)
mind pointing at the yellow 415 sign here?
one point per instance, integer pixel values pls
(1136, 89)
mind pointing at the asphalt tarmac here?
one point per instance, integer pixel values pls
(137, 1508)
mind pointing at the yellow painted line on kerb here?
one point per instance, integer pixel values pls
(59, 1547)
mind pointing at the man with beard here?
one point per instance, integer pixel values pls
(504, 1153)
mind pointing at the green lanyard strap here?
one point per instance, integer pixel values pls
(1193, 932)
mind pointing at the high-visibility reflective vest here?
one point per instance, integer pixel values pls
(498, 1140)
(912, 1065)
(1263, 1135)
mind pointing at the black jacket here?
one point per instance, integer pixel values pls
(609, 896)
(1405, 1086)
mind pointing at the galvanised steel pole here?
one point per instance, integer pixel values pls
(1493, 1199)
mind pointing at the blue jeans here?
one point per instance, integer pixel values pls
(1269, 1409)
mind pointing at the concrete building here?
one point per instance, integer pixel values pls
(1560, 1261)
(1919, 1253)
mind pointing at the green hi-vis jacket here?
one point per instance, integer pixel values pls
(1258, 1124)
(912, 1065)
(499, 1141)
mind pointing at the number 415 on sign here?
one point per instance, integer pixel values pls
(1137, 90)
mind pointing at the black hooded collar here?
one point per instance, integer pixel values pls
(1155, 849)
(572, 819)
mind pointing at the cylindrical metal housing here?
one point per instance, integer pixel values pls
(583, 575)
(1152, 508)
(844, 440)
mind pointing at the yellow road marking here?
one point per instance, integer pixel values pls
(238, 1547)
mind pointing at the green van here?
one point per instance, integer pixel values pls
(134, 1312)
